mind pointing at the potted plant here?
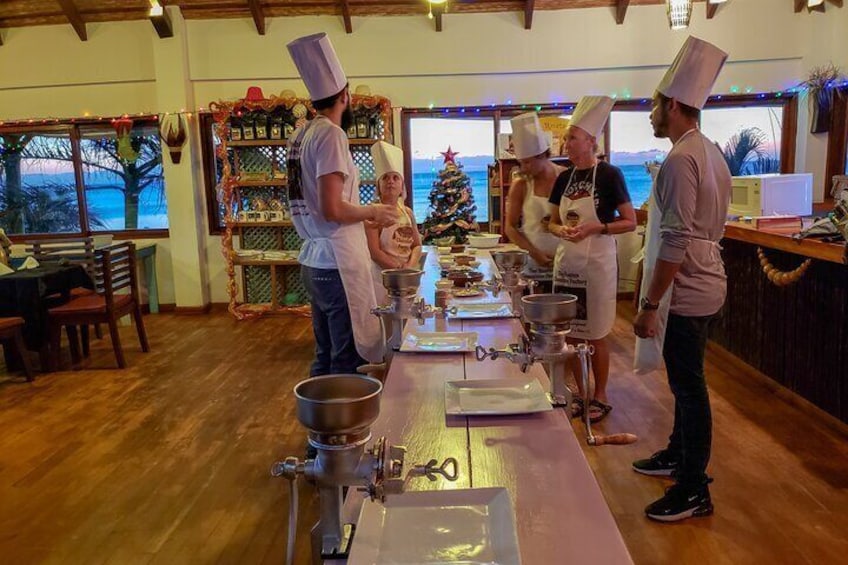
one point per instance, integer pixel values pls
(823, 86)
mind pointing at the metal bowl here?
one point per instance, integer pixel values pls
(512, 260)
(338, 404)
(549, 308)
(402, 279)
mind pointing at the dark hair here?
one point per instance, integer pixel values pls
(687, 111)
(328, 102)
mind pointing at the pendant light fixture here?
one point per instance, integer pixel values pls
(437, 3)
(679, 13)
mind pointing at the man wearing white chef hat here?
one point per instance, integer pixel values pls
(590, 203)
(527, 212)
(684, 275)
(323, 186)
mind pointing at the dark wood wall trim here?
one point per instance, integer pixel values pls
(837, 143)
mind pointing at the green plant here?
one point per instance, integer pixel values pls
(822, 85)
(741, 148)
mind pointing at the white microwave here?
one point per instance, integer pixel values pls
(770, 195)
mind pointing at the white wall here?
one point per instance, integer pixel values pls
(478, 59)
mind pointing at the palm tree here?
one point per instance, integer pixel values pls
(741, 148)
(102, 153)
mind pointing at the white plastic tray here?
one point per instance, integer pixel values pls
(439, 342)
(468, 526)
(487, 397)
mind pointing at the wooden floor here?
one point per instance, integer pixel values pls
(168, 461)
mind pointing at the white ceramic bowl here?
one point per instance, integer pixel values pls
(484, 240)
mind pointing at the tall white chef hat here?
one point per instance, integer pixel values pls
(388, 158)
(691, 76)
(318, 65)
(528, 137)
(591, 114)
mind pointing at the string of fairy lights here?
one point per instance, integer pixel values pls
(624, 95)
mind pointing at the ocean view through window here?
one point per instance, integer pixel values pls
(80, 178)
(472, 138)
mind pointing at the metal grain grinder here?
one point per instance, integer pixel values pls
(402, 288)
(549, 317)
(337, 411)
(511, 264)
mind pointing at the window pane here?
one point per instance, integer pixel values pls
(748, 136)
(634, 145)
(473, 138)
(37, 187)
(124, 185)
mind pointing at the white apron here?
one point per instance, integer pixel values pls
(649, 351)
(587, 269)
(397, 241)
(350, 247)
(535, 213)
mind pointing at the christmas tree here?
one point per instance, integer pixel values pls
(452, 205)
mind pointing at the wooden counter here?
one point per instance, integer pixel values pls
(559, 509)
(797, 335)
(743, 231)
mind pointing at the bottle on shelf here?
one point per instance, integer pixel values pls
(235, 128)
(351, 129)
(362, 127)
(288, 130)
(247, 130)
(261, 126)
(276, 129)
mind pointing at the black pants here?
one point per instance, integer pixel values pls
(691, 439)
(335, 349)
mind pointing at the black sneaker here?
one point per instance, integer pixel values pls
(660, 464)
(680, 503)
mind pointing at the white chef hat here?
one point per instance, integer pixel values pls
(318, 65)
(691, 76)
(591, 114)
(528, 137)
(388, 158)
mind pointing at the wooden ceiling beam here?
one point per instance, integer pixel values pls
(346, 16)
(711, 10)
(437, 14)
(258, 15)
(73, 15)
(529, 6)
(621, 11)
(799, 5)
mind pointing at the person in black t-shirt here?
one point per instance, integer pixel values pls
(590, 203)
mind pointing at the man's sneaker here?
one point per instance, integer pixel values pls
(660, 464)
(680, 503)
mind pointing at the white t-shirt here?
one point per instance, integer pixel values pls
(324, 150)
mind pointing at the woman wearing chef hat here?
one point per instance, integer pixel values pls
(527, 208)
(398, 245)
(590, 203)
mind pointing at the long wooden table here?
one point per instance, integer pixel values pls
(560, 512)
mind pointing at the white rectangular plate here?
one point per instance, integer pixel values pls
(487, 397)
(440, 342)
(468, 526)
(478, 310)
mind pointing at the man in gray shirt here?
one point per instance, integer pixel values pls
(692, 194)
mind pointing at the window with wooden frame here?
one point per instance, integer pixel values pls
(756, 133)
(474, 133)
(837, 145)
(76, 177)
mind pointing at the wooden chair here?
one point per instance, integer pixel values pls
(114, 270)
(75, 251)
(13, 345)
